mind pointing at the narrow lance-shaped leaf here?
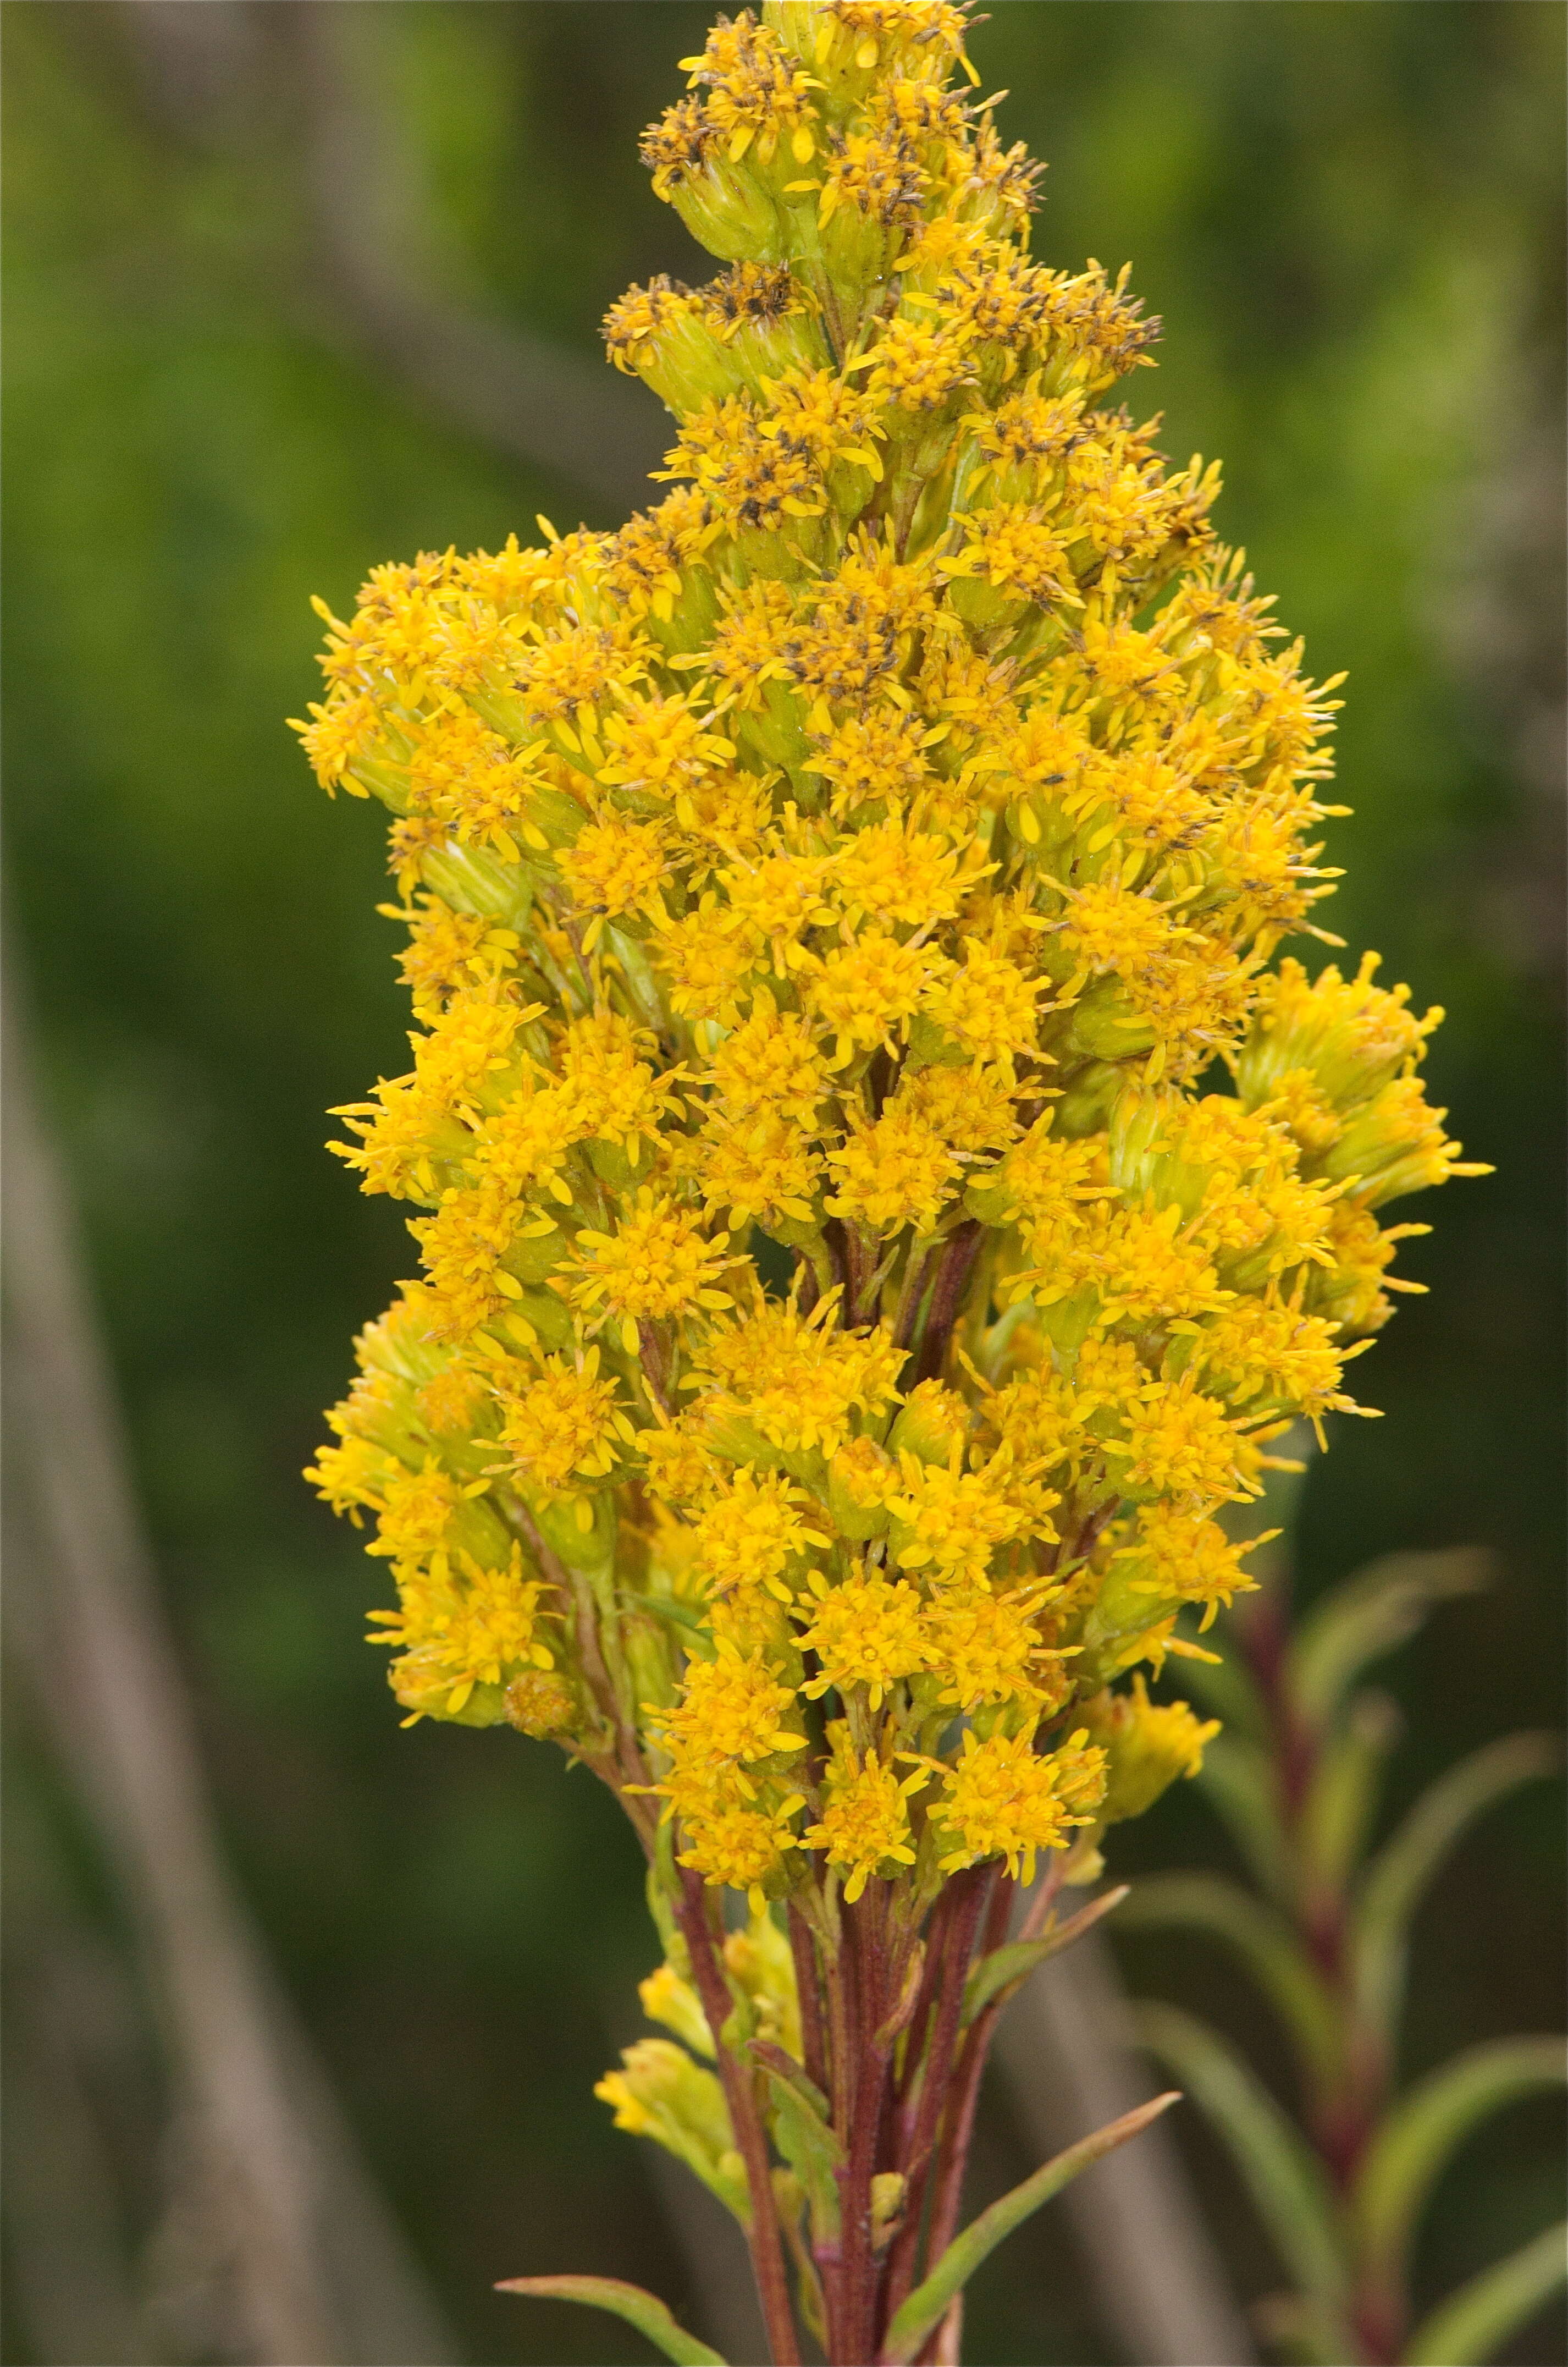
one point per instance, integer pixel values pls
(1283, 2175)
(1365, 1617)
(1341, 1801)
(995, 1977)
(1237, 1778)
(1421, 2131)
(1474, 2324)
(1226, 1690)
(643, 2310)
(1404, 1865)
(928, 2302)
(1267, 1946)
(799, 2119)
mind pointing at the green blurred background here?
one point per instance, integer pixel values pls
(294, 289)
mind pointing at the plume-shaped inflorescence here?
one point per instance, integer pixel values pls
(877, 1200)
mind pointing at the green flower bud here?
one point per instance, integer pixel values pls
(539, 1702)
(931, 1422)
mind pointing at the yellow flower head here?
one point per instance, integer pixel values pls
(825, 894)
(1003, 1798)
(753, 1531)
(949, 1522)
(566, 1426)
(864, 1825)
(1146, 1747)
(867, 1632)
(658, 1263)
(730, 1710)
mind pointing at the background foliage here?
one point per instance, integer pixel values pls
(1348, 216)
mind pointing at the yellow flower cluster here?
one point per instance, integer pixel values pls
(877, 1200)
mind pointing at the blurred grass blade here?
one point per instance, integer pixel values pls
(1237, 1778)
(1367, 1616)
(1266, 1945)
(928, 2301)
(1283, 2175)
(1341, 1801)
(1474, 2324)
(996, 1976)
(1226, 1689)
(1401, 1871)
(1410, 2150)
(643, 2310)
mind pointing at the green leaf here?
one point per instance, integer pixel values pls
(1006, 1969)
(1420, 2132)
(1237, 1778)
(787, 2074)
(1367, 1616)
(1226, 1689)
(1283, 2176)
(1266, 1945)
(1402, 1868)
(928, 2302)
(643, 2310)
(1473, 2325)
(1341, 1800)
(664, 1606)
(801, 2130)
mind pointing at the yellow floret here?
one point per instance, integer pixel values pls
(658, 1263)
(867, 1631)
(1004, 1799)
(864, 1825)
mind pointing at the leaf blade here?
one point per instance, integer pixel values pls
(928, 2301)
(1267, 1946)
(1393, 1883)
(1407, 2154)
(1473, 2325)
(1371, 1613)
(1286, 2182)
(639, 2308)
(996, 1976)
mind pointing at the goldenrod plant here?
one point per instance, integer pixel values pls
(877, 1199)
(1342, 2181)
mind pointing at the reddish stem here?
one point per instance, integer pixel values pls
(750, 2137)
(925, 1998)
(947, 1291)
(808, 1988)
(970, 1893)
(854, 2331)
(958, 2130)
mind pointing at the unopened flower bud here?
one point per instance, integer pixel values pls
(539, 1702)
(932, 1422)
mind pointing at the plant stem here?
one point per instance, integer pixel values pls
(854, 2333)
(750, 2137)
(947, 1293)
(968, 1896)
(808, 1989)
